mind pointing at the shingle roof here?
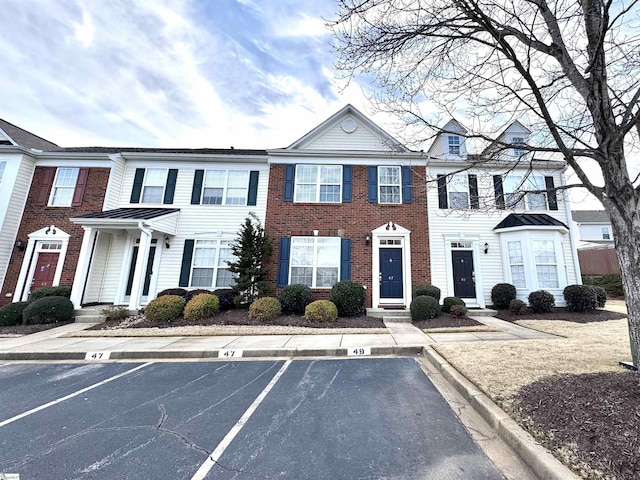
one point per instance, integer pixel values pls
(130, 213)
(529, 220)
(590, 216)
(201, 151)
(27, 139)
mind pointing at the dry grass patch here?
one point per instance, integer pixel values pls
(500, 369)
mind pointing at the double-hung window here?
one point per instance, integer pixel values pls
(315, 261)
(453, 142)
(2, 167)
(515, 196)
(63, 187)
(518, 143)
(153, 185)
(544, 253)
(318, 183)
(390, 185)
(606, 233)
(459, 192)
(228, 187)
(209, 268)
(516, 264)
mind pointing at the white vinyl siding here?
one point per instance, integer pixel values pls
(389, 185)
(155, 180)
(315, 261)
(335, 138)
(318, 183)
(64, 185)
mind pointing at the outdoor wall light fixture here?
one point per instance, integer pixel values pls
(19, 245)
(167, 245)
(367, 239)
(486, 247)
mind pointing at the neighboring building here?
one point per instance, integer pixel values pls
(483, 230)
(348, 201)
(594, 228)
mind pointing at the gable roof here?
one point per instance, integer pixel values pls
(19, 136)
(333, 120)
(590, 216)
(529, 220)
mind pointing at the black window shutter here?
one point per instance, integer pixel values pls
(136, 191)
(185, 270)
(473, 192)
(373, 185)
(289, 180)
(169, 191)
(196, 192)
(345, 259)
(442, 192)
(407, 189)
(252, 197)
(283, 262)
(551, 193)
(499, 192)
(347, 183)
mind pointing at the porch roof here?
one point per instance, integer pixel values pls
(160, 219)
(530, 220)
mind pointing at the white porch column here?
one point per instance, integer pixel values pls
(135, 300)
(82, 268)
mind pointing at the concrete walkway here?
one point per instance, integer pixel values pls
(401, 339)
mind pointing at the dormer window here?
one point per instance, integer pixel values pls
(453, 144)
(518, 143)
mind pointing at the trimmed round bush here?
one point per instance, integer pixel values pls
(115, 312)
(502, 294)
(192, 293)
(48, 310)
(181, 292)
(580, 298)
(426, 290)
(165, 308)
(541, 301)
(348, 297)
(424, 307)
(226, 298)
(458, 310)
(449, 302)
(517, 306)
(61, 291)
(11, 314)
(321, 311)
(202, 306)
(295, 298)
(265, 308)
(601, 294)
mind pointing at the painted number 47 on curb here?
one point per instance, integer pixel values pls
(229, 353)
(97, 356)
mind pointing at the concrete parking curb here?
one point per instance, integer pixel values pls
(538, 458)
(194, 354)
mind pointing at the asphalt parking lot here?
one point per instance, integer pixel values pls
(369, 418)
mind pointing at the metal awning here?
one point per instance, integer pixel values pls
(163, 220)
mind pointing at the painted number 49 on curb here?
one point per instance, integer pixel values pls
(359, 351)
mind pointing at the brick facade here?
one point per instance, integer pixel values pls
(37, 217)
(352, 220)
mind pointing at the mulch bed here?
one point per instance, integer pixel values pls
(561, 313)
(598, 413)
(241, 317)
(29, 329)
(446, 320)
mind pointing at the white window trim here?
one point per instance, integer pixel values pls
(459, 177)
(606, 230)
(225, 187)
(450, 239)
(215, 267)
(449, 144)
(27, 270)
(380, 185)
(317, 183)
(144, 184)
(3, 166)
(315, 261)
(524, 179)
(522, 264)
(54, 188)
(518, 140)
(554, 264)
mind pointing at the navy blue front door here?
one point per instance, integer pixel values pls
(391, 273)
(464, 279)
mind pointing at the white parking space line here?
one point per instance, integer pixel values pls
(222, 446)
(71, 395)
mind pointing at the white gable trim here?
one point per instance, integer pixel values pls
(7, 137)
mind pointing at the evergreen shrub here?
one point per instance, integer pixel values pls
(349, 298)
(449, 302)
(424, 307)
(11, 314)
(48, 310)
(165, 308)
(61, 291)
(502, 294)
(580, 298)
(295, 298)
(428, 290)
(458, 310)
(517, 306)
(202, 306)
(321, 311)
(265, 308)
(541, 301)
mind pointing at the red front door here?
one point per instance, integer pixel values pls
(45, 270)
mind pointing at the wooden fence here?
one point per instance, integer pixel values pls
(598, 261)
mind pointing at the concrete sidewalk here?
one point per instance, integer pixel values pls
(401, 339)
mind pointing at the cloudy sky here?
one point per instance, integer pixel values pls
(171, 73)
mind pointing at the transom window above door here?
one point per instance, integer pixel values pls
(389, 184)
(318, 183)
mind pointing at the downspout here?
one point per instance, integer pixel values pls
(572, 235)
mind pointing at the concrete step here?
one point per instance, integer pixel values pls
(88, 315)
(482, 312)
(397, 318)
